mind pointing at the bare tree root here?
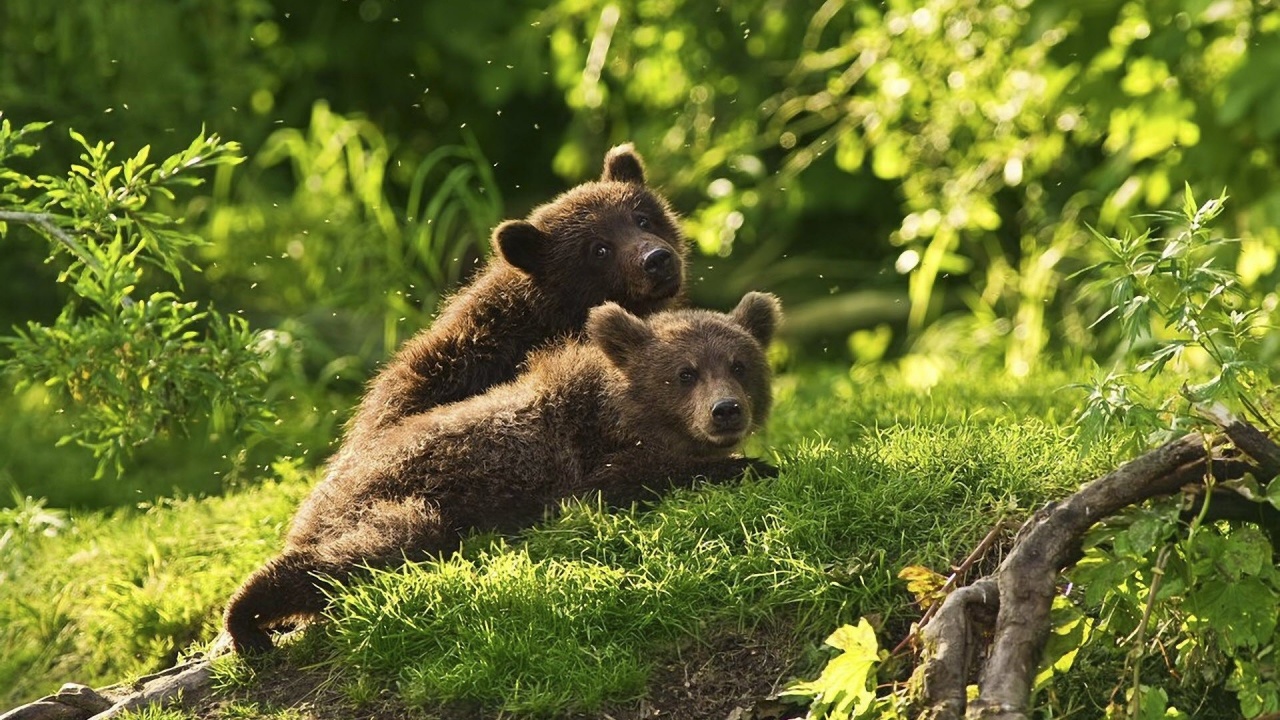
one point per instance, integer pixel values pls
(181, 683)
(952, 640)
(1021, 591)
(957, 576)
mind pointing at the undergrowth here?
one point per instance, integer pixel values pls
(1170, 611)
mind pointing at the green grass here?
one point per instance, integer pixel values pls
(876, 475)
(122, 593)
(567, 619)
(158, 713)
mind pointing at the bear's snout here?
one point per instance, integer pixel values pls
(660, 264)
(727, 416)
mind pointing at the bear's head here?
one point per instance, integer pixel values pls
(613, 239)
(697, 381)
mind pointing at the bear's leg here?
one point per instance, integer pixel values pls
(292, 585)
(636, 475)
(285, 588)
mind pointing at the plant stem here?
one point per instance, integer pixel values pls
(44, 221)
(1157, 574)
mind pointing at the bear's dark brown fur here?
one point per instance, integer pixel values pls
(614, 239)
(644, 406)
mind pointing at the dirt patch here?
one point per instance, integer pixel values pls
(295, 693)
(729, 675)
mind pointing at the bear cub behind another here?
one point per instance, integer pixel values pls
(644, 406)
(614, 239)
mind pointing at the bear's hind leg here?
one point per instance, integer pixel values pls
(285, 588)
(292, 585)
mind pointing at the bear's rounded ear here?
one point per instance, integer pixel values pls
(623, 164)
(617, 332)
(758, 313)
(521, 243)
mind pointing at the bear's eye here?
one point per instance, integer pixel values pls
(642, 221)
(738, 368)
(687, 376)
(601, 251)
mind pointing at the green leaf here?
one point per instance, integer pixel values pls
(1148, 530)
(1243, 612)
(1152, 702)
(1188, 202)
(1101, 574)
(1071, 630)
(1248, 552)
(1256, 687)
(846, 686)
(1273, 494)
(79, 139)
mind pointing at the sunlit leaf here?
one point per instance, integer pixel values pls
(924, 584)
(846, 686)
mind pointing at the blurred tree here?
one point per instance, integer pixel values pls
(140, 72)
(978, 137)
(340, 251)
(691, 83)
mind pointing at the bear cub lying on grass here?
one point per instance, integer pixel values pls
(643, 406)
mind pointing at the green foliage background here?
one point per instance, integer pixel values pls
(941, 183)
(878, 164)
(929, 170)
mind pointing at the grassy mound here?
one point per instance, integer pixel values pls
(573, 615)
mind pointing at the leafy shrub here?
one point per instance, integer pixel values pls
(1198, 594)
(1173, 609)
(133, 367)
(343, 243)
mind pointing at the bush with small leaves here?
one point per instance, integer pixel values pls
(127, 354)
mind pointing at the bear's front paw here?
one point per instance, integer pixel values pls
(760, 468)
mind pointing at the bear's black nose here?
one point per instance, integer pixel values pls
(660, 263)
(726, 414)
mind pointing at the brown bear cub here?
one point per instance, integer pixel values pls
(642, 407)
(614, 239)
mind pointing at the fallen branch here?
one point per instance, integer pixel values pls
(1249, 439)
(182, 683)
(1024, 584)
(951, 640)
(71, 702)
(1228, 504)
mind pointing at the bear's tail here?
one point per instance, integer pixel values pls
(286, 588)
